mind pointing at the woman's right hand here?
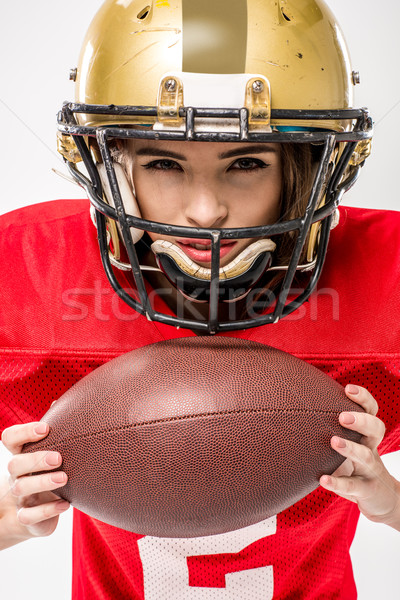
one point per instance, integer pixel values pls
(36, 509)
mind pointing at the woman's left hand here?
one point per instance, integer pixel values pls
(363, 478)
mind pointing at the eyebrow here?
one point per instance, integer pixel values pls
(149, 151)
(252, 149)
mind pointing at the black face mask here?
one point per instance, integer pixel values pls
(331, 181)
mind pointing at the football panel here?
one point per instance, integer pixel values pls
(200, 476)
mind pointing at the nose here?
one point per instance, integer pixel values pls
(204, 208)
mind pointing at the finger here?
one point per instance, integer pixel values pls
(24, 486)
(22, 464)
(345, 469)
(352, 488)
(37, 514)
(366, 462)
(371, 428)
(16, 436)
(362, 397)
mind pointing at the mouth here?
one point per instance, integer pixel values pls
(200, 250)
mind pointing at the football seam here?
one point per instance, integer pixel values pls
(201, 416)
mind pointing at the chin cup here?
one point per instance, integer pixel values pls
(235, 279)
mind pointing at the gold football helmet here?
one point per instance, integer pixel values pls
(201, 70)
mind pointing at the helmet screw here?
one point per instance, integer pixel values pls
(72, 74)
(356, 77)
(170, 85)
(257, 86)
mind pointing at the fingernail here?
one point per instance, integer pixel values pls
(12, 488)
(352, 389)
(62, 505)
(347, 418)
(58, 478)
(340, 443)
(41, 428)
(326, 480)
(19, 512)
(52, 458)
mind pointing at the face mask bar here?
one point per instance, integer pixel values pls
(335, 188)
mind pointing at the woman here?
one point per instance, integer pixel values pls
(263, 184)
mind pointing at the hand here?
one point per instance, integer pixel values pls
(37, 508)
(363, 478)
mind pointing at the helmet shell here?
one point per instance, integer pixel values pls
(297, 45)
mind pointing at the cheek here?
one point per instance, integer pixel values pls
(274, 205)
(273, 196)
(156, 202)
(261, 204)
(266, 211)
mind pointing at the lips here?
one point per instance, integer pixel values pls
(200, 250)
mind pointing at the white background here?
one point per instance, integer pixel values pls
(39, 43)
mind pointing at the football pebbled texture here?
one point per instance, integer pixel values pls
(196, 436)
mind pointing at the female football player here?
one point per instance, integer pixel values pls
(215, 141)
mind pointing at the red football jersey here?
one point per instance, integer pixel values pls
(60, 319)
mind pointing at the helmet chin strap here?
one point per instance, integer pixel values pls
(235, 279)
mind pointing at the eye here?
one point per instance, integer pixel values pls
(163, 165)
(248, 164)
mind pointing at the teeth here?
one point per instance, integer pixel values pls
(201, 246)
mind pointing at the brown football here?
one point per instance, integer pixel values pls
(196, 436)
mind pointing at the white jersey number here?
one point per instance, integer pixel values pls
(166, 574)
